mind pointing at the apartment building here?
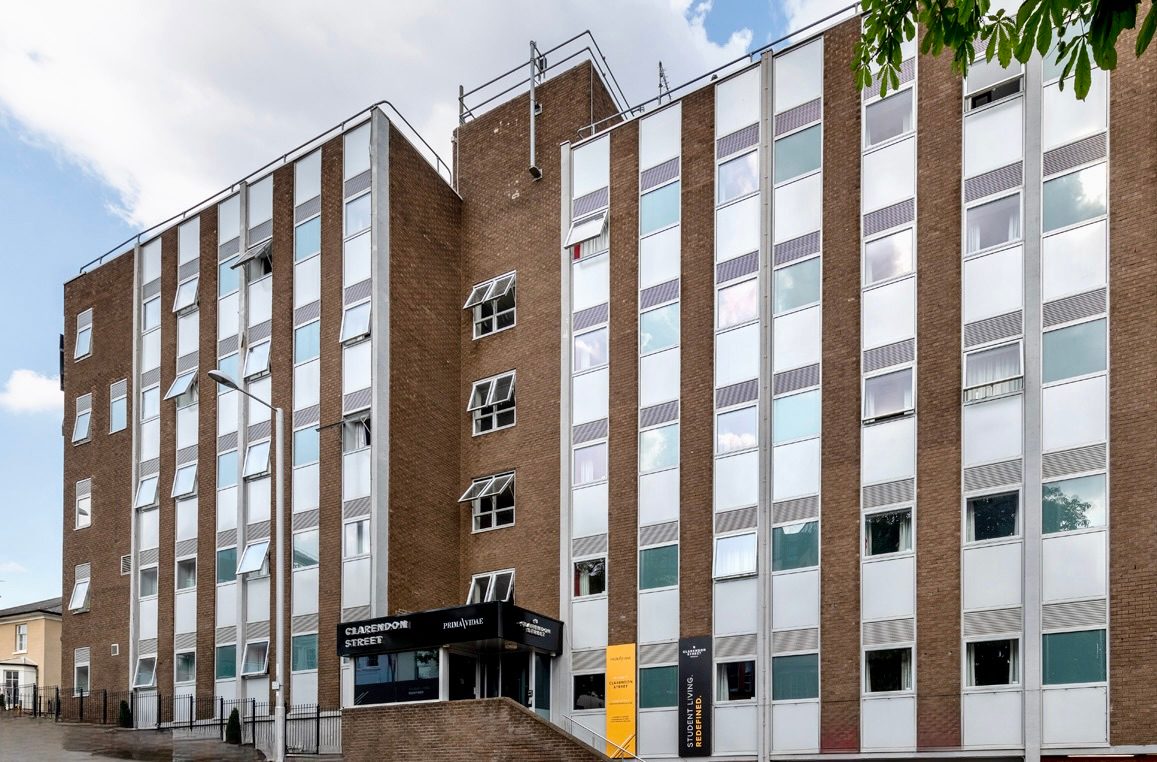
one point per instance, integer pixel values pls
(769, 420)
(29, 649)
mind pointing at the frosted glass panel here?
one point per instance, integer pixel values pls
(796, 469)
(658, 497)
(737, 355)
(589, 510)
(1074, 566)
(659, 378)
(1067, 119)
(590, 166)
(797, 339)
(798, 208)
(796, 416)
(889, 451)
(993, 284)
(992, 431)
(889, 313)
(589, 396)
(591, 282)
(737, 102)
(994, 137)
(737, 229)
(799, 76)
(737, 481)
(659, 258)
(1074, 414)
(889, 175)
(659, 136)
(1073, 261)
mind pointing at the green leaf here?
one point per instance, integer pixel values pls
(1145, 34)
(1084, 78)
(1004, 50)
(1044, 37)
(1024, 45)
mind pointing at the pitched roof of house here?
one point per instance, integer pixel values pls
(50, 606)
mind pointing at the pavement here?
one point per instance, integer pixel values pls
(23, 739)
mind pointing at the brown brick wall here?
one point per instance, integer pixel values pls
(840, 446)
(457, 731)
(1132, 413)
(207, 462)
(938, 405)
(107, 460)
(623, 405)
(166, 504)
(511, 222)
(697, 374)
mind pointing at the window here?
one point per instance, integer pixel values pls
(357, 214)
(304, 653)
(734, 681)
(888, 395)
(185, 481)
(585, 229)
(992, 223)
(590, 464)
(993, 662)
(492, 303)
(357, 539)
(307, 342)
(1073, 261)
(659, 258)
(736, 430)
(186, 519)
(228, 278)
(356, 260)
(659, 448)
(991, 366)
(590, 350)
(305, 549)
(185, 667)
(590, 282)
(492, 586)
(658, 687)
(1066, 119)
(795, 546)
(399, 676)
(659, 567)
(227, 469)
(989, 82)
(226, 662)
(659, 208)
(1074, 657)
(888, 257)
(148, 582)
(355, 323)
(797, 286)
(79, 599)
(1076, 350)
(735, 555)
(492, 501)
(186, 295)
(492, 403)
(226, 565)
(305, 446)
(83, 346)
(889, 532)
(795, 677)
(590, 691)
(83, 511)
(888, 669)
(355, 434)
(737, 304)
(307, 239)
(80, 682)
(738, 177)
(659, 329)
(118, 413)
(257, 459)
(80, 427)
(795, 417)
(797, 154)
(590, 577)
(992, 517)
(253, 559)
(151, 314)
(1071, 504)
(146, 674)
(21, 638)
(888, 118)
(257, 359)
(186, 573)
(993, 138)
(146, 492)
(1073, 198)
(256, 658)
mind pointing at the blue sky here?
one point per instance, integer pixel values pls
(78, 174)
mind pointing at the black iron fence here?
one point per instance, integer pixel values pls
(309, 728)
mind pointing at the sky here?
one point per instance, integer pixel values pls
(104, 134)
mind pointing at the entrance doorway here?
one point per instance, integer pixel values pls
(463, 677)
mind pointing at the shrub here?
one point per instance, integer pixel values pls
(125, 716)
(233, 728)
(3, 702)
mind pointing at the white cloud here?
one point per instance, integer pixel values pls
(26, 391)
(11, 567)
(801, 13)
(169, 103)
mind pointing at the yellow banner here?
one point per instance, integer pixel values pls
(620, 687)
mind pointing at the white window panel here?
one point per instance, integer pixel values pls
(589, 396)
(890, 313)
(150, 351)
(228, 219)
(737, 304)
(991, 576)
(659, 377)
(589, 510)
(659, 257)
(591, 284)
(737, 481)
(889, 175)
(185, 481)
(737, 355)
(260, 305)
(356, 474)
(888, 257)
(257, 500)
(146, 492)
(1067, 119)
(737, 102)
(260, 389)
(993, 284)
(1074, 414)
(590, 167)
(307, 178)
(658, 616)
(306, 385)
(259, 201)
(305, 591)
(659, 497)
(148, 530)
(735, 555)
(186, 519)
(798, 208)
(994, 137)
(660, 135)
(797, 339)
(226, 509)
(81, 426)
(257, 359)
(79, 599)
(799, 76)
(256, 459)
(992, 431)
(306, 481)
(186, 294)
(356, 262)
(227, 413)
(889, 589)
(356, 363)
(228, 317)
(356, 151)
(796, 469)
(1073, 261)
(585, 229)
(889, 451)
(150, 439)
(737, 229)
(736, 607)
(1073, 566)
(795, 600)
(189, 241)
(151, 261)
(355, 322)
(306, 282)
(253, 558)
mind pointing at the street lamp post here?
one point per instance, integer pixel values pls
(223, 379)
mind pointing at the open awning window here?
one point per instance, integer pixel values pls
(185, 481)
(180, 385)
(186, 294)
(486, 487)
(488, 291)
(491, 391)
(256, 252)
(585, 229)
(253, 559)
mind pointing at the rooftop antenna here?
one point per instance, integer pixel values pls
(664, 86)
(537, 72)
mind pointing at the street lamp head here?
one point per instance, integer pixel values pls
(223, 379)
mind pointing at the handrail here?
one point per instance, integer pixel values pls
(601, 737)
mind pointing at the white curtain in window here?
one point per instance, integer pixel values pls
(723, 688)
(906, 533)
(993, 365)
(906, 670)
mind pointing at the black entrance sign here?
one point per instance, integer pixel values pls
(694, 725)
(457, 624)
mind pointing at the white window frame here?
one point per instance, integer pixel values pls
(79, 599)
(1016, 72)
(254, 559)
(176, 665)
(76, 689)
(21, 638)
(1014, 537)
(82, 331)
(185, 480)
(256, 463)
(87, 522)
(257, 359)
(754, 569)
(187, 294)
(146, 488)
(156, 574)
(488, 401)
(488, 488)
(351, 331)
(586, 228)
(244, 658)
(910, 550)
(966, 663)
(1019, 239)
(491, 585)
(911, 671)
(141, 661)
(606, 575)
(177, 573)
(717, 683)
(911, 410)
(81, 434)
(491, 291)
(346, 552)
(181, 385)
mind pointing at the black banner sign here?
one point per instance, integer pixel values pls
(694, 724)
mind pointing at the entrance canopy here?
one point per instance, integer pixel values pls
(494, 620)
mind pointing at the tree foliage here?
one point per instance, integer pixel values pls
(233, 728)
(1082, 32)
(124, 716)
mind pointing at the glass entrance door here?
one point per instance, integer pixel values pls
(516, 676)
(463, 677)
